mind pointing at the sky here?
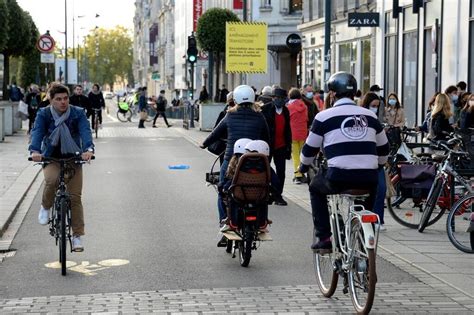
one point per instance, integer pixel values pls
(49, 15)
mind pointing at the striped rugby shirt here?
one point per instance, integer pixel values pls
(352, 139)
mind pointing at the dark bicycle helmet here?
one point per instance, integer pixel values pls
(343, 83)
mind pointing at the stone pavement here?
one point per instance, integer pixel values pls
(445, 273)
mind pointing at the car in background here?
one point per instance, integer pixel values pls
(108, 95)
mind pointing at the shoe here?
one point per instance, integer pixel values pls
(169, 125)
(297, 180)
(141, 126)
(322, 246)
(154, 126)
(225, 228)
(77, 244)
(43, 216)
(279, 201)
(381, 227)
(222, 242)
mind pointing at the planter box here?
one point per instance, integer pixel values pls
(208, 113)
(7, 118)
(2, 125)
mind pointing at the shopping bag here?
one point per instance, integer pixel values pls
(143, 115)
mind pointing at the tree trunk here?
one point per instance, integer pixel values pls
(210, 85)
(6, 76)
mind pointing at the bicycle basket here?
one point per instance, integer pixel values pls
(416, 180)
(123, 107)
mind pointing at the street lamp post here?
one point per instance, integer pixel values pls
(65, 44)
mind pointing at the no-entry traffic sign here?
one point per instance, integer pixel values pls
(45, 43)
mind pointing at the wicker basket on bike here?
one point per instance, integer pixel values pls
(251, 182)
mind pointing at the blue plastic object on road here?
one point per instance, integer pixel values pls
(178, 167)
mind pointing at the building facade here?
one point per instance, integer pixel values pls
(413, 53)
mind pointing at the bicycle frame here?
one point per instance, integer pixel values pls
(61, 192)
(365, 217)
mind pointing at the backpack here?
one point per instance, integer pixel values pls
(34, 102)
(15, 94)
(161, 104)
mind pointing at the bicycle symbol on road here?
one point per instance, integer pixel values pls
(87, 268)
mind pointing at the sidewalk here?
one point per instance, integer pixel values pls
(428, 256)
(16, 173)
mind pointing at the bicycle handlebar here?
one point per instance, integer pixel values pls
(77, 158)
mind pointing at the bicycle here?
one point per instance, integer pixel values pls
(460, 224)
(96, 121)
(448, 178)
(60, 221)
(353, 254)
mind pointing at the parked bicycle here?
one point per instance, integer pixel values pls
(60, 220)
(355, 233)
(447, 178)
(460, 224)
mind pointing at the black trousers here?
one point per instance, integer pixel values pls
(93, 113)
(319, 191)
(162, 114)
(279, 159)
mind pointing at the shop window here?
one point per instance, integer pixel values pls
(347, 57)
(410, 42)
(318, 66)
(391, 54)
(365, 66)
(296, 5)
(471, 54)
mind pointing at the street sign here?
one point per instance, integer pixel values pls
(366, 19)
(47, 58)
(246, 47)
(45, 43)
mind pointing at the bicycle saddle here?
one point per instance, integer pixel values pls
(355, 192)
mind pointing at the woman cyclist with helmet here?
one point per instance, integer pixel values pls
(243, 121)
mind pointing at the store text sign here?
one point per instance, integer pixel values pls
(367, 19)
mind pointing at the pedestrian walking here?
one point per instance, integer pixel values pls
(277, 117)
(96, 99)
(299, 130)
(142, 107)
(372, 102)
(60, 131)
(309, 99)
(204, 95)
(161, 104)
(33, 100)
(394, 117)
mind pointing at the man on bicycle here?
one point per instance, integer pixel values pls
(355, 146)
(60, 131)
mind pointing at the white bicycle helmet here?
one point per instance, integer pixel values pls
(244, 94)
(239, 145)
(258, 146)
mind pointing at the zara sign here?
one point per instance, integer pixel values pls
(368, 19)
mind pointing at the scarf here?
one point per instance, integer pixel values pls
(61, 133)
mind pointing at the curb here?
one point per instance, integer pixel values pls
(14, 196)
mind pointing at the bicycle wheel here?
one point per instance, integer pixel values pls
(326, 272)
(62, 235)
(430, 205)
(362, 271)
(460, 224)
(245, 247)
(124, 117)
(403, 210)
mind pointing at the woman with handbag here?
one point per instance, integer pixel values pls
(142, 108)
(372, 102)
(394, 117)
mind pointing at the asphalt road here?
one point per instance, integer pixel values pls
(164, 222)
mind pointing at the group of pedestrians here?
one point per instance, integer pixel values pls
(159, 103)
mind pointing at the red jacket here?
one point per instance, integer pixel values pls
(298, 119)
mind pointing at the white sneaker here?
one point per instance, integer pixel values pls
(77, 244)
(381, 227)
(225, 228)
(43, 216)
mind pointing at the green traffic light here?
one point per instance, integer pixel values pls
(192, 58)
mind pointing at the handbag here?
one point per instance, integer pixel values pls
(143, 115)
(217, 147)
(390, 192)
(22, 111)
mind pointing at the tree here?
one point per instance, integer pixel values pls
(3, 24)
(29, 70)
(19, 39)
(211, 36)
(107, 54)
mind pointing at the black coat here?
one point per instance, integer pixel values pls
(80, 101)
(269, 111)
(439, 126)
(97, 100)
(242, 123)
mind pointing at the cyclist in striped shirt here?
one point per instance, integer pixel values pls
(354, 144)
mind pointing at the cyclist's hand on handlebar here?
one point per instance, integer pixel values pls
(303, 168)
(87, 156)
(36, 156)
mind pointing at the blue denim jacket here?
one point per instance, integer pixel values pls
(44, 126)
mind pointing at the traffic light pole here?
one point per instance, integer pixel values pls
(192, 96)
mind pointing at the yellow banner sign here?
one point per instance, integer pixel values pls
(245, 47)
